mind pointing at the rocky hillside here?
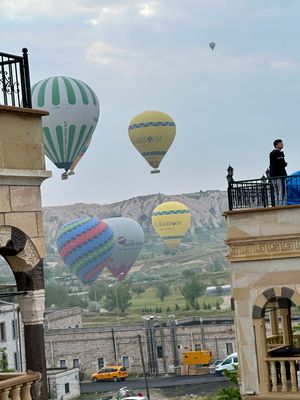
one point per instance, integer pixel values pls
(206, 207)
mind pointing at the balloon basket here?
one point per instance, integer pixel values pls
(64, 176)
(155, 171)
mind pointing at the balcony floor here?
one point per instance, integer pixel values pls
(273, 396)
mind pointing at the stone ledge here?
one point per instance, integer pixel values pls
(23, 177)
(264, 248)
(24, 111)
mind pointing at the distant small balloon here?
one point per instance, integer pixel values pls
(212, 45)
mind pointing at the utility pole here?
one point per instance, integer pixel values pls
(144, 369)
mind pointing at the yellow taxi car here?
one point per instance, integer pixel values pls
(110, 372)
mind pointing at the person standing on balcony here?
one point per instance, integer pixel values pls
(278, 172)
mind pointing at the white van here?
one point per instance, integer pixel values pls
(230, 364)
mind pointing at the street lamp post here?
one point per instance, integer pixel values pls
(115, 285)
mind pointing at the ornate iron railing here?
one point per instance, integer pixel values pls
(15, 80)
(264, 192)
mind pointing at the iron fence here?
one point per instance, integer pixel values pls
(264, 192)
(15, 80)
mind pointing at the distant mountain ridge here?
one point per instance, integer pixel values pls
(206, 207)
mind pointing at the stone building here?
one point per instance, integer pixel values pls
(22, 245)
(66, 318)
(63, 384)
(163, 344)
(264, 254)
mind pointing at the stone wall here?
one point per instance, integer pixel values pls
(112, 344)
(66, 318)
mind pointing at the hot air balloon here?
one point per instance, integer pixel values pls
(73, 115)
(171, 220)
(152, 133)
(212, 45)
(129, 238)
(86, 246)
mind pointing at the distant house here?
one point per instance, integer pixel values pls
(12, 336)
(63, 384)
(221, 290)
(62, 319)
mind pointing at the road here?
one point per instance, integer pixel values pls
(155, 382)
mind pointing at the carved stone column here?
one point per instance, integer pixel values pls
(273, 320)
(32, 306)
(262, 353)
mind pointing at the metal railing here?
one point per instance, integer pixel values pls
(15, 80)
(263, 192)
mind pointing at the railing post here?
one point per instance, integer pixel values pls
(283, 376)
(26, 81)
(293, 376)
(229, 178)
(274, 376)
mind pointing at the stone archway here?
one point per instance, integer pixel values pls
(259, 307)
(18, 249)
(26, 264)
(277, 301)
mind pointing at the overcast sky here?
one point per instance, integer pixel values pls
(228, 104)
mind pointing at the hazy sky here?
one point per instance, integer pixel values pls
(228, 104)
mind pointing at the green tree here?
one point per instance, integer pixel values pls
(56, 294)
(162, 290)
(118, 296)
(96, 291)
(191, 291)
(138, 290)
(188, 273)
(76, 301)
(4, 361)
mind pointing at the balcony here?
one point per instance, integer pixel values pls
(16, 386)
(15, 88)
(262, 193)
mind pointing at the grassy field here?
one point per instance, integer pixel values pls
(148, 303)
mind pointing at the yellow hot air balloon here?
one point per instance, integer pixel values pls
(171, 220)
(152, 133)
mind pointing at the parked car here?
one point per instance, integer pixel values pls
(230, 364)
(110, 372)
(213, 365)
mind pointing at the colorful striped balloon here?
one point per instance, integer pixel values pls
(86, 247)
(73, 115)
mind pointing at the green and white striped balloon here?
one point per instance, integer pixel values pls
(73, 115)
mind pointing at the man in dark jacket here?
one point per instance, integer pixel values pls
(278, 172)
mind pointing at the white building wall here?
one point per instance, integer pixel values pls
(63, 384)
(13, 345)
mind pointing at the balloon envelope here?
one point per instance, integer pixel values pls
(80, 155)
(212, 45)
(129, 240)
(171, 220)
(152, 133)
(86, 247)
(73, 115)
